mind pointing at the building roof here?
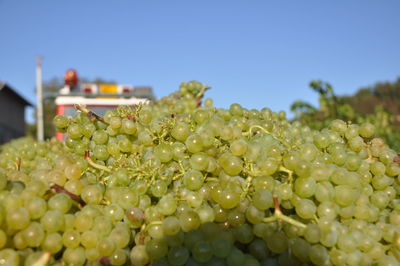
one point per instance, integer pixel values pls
(5, 87)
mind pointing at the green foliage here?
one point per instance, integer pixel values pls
(378, 105)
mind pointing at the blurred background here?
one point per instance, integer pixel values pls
(315, 60)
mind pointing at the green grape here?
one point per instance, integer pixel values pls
(74, 131)
(33, 234)
(156, 231)
(221, 245)
(3, 239)
(356, 144)
(238, 147)
(100, 152)
(264, 182)
(145, 116)
(339, 157)
(167, 204)
(102, 225)
(329, 237)
(306, 209)
(72, 172)
(163, 152)
(254, 215)
(308, 151)
(277, 242)
(71, 238)
(9, 257)
(171, 225)
(178, 150)
(114, 212)
(319, 255)
(61, 121)
(258, 249)
(199, 161)
(206, 213)
(74, 256)
(53, 221)
(351, 131)
(88, 130)
(235, 218)
(19, 241)
(156, 249)
(106, 246)
(89, 239)
(115, 122)
(380, 182)
(327, 209)
(194, 143)
(60, 202)
(92, 194)
(345, 195)
(346, 243)
(189, 220)
(134, 214)
(193, 179)
(243, 234)
(178, 255)
(229, 199)
(202, 251)
(36, 207)
(180, 131)
(302, 168)
(267, 166)
(300, 249)
(119, 257)
(83, 222)
(262, 199)
(380, 199)
(353, 162)
(128, 127)
(100, 137)
(18, 218)
(159, 188)
(52, 243)
(305, 187)
(367, 130)
(231, 164)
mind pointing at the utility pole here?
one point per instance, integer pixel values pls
(39, 99)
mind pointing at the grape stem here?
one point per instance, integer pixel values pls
(246, 189)
(95, 165)
(289, 172)
(18, 163)
(42, 261)
(249, 133)
(60, 189)
(369, 158)
(201, 93)
(89, 113)
(146, 227)
(211, 179)
(279, 216)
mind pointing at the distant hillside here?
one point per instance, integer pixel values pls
(385, 94)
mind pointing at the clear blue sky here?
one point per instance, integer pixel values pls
(257, 53)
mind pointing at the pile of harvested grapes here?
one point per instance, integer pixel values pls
(180, 182)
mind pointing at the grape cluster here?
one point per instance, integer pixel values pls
(180, 182)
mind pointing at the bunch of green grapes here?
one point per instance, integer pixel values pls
(177, 182)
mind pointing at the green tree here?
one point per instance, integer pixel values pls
(378, 105)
